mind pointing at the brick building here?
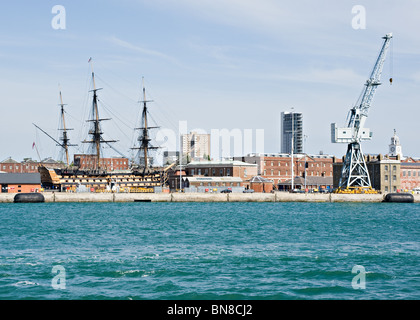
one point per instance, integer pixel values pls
(278, 167)
(28, 165)
(260, 184)
(20, 182)
(89, 161)
(410, 174)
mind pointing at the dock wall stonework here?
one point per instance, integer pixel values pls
(205, 197)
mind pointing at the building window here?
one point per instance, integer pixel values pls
(272, 172)
(404, 173)
(386, 188)
(386, 177)
(394, 178)
(192, 172)
(386, 167)
(265, 172)
(394, 168)
(228, 172)
(409, 173)
(271, 163)
(221, 172)
(213, 172)
(199, 172)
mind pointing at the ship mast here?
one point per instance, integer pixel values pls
(95, 131)
(144, 139)
(65, 139)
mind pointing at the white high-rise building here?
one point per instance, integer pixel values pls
(195, 145)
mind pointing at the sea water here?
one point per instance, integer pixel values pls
(210, 251)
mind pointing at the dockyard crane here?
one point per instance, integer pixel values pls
(354, 174)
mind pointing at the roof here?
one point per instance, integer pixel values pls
(20, 178)
(309, 181)
(221, 163)
(259, 179)
(406, 165)
(213, 179)
(9, 160)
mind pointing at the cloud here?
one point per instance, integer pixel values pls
(153, 53)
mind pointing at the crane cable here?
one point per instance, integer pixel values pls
(391, 63)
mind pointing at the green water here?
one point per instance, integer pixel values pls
(209, 250)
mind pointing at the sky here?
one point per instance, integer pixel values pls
(231, 64)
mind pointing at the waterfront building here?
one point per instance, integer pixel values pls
(384, 173)
(20, 182)
(212, 184)
(308, 184)
(260, 184)
(205, 173)
(410, 174)
(278, 166)
(86, 161)
(195, 145)
(28, 165)
(223, 168)
(291, 125)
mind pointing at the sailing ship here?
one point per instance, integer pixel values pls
(97, 176)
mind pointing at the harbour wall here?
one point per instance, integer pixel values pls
(206, 197)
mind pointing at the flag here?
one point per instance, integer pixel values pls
(33, 145)
(90, 59)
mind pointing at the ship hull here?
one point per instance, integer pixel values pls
(99, 181)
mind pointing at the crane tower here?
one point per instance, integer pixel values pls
(354, 174)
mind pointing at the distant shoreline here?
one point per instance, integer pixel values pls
(205, 197)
